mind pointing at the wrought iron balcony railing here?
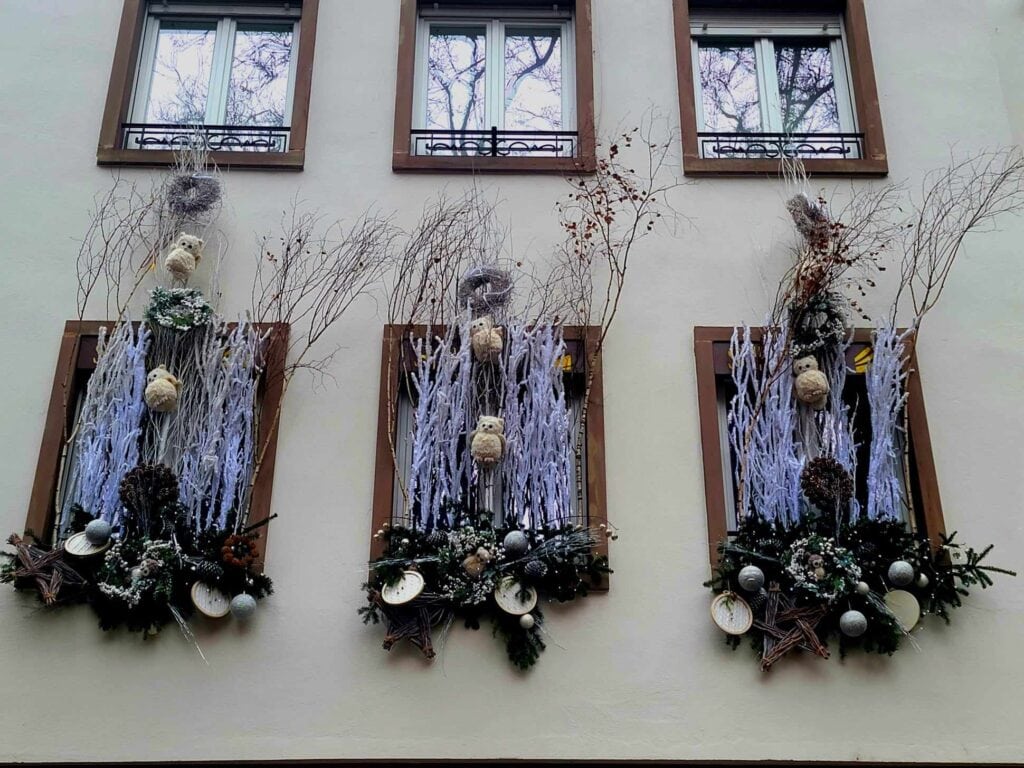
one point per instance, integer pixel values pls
(773, 146)
(494, 143)
(230, 138)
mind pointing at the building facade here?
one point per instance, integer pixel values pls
(638, 672)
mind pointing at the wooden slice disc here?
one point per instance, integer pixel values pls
(210, 601)
(79, 546)
(732, 613)
(904, 606)
(405, 590)
(513, 598)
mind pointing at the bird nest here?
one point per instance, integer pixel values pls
(189, 194)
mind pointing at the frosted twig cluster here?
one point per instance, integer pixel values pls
(887, 397)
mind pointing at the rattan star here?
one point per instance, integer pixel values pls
(411, 621)
(786, 627)
(45, 569)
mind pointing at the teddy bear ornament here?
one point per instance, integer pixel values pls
(183, 257)
(487, 441)
(162, 390)
(811, 384)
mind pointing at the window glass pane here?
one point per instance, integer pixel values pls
(728, 81)
(181, 73)
(533, 79)
(455, 78)
(258, 89)
(807, 93)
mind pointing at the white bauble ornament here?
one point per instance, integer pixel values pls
(515, 544)
(98, 532)
(922, 580)
(901, 573)
(526, 621)
(853, 623)
(751, 578)
(862, 588)
(243, 606)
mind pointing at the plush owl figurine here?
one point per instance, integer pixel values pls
(183, 257)
(162, 390)
(487, 340)
(811, 385)
(487, 441)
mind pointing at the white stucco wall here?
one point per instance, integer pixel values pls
(637, 673)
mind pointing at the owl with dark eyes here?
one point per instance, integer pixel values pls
(183, 257)
(811, 384)
(162, 390)
(487, 441)
(487, 340)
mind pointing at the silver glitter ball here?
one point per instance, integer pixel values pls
(243, 606)
(901, 573)
(751, 578)
(862, 588)
(516, 544)
(853, 624)
(97, 532)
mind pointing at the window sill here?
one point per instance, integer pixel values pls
(702, 166)
(403, 162)
(292, 160)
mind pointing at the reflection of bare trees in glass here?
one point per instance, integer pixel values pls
(533, 81)
(259, 77)
(181, 76)
(807, 94)
(728, 81)
(456, 67)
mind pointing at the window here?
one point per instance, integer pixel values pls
(779, 83)
(396, 413)
(498, 87)
(236, 74)
(76, 361)
(715, 389)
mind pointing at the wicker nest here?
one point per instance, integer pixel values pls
(189, 194)
(485, 289)
(826, 484)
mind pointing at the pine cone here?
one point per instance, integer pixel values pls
(827, 484)
(209, 572)
(536, 570)
(148, 487)
(437, 538)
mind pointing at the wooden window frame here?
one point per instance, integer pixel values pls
(122, 82)
(874, 161)
(402, 158)
(76, 360)
(384, 473)
(711, 353)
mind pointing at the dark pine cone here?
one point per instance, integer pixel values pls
(536, 570)
(209, 572)
(148, 487)
(827, 484)
(759, 601)
(437, 538)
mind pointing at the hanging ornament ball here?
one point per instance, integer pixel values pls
(98, 532)
(405, 542)
(863, 588)
(526, 621)
(922, 580)
(853, 624)
(751, 578)
(901, 573)
(516, 544)
(243, 606)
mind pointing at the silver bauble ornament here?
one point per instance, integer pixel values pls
(922, 580)
(243, 606)
(526, 621)
(516, 544)
(862, 588)
(751, 578)
(853, 624)
(97, 532)
(901, 573)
